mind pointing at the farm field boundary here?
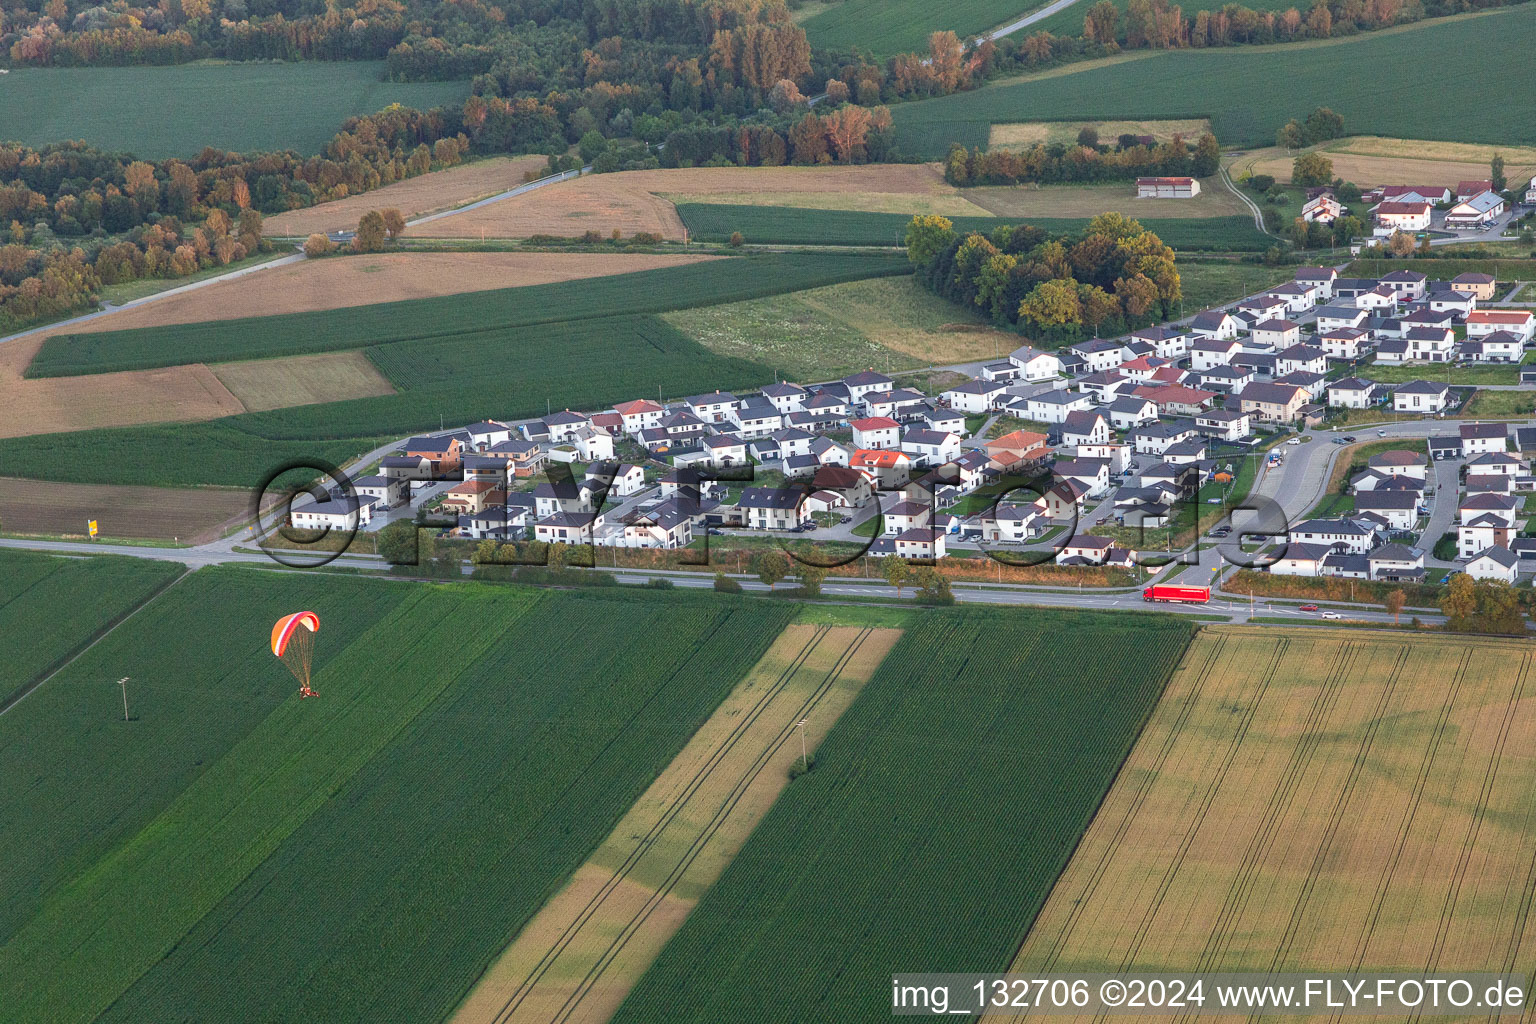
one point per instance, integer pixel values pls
(1249, 92)
(1303, 799)
(786, 225)
(54, 608)
(580, 955)
(646, 291)
(438, 720)
(960, 736)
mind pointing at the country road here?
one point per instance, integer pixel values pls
(1028, 20)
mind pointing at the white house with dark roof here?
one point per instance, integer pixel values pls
(1298, 297)
(1519, 322)
(1340, 316)
(1421, 396)
(1449, 300)
(1129, 411)
(1498, 347)
(1494, 463)
(1345, 343)
(1210, 352)
(1055, 406)
(861, 384)
(1085, 427)
(930, 447)
(1276, 333)
(1223, 424)
(1431, 344)
(713, 408)
(1495, 563)
(1214, 323)
(1349, 534)
(1034, 364)
(1481, 438)
(1400, 462)
(1100, 354)
(1301, 359)
(1321, 278)
(1476, 212)
(1352, 393)
(1167, 342)
(976, 396)
(1399, 508)
(786, 397)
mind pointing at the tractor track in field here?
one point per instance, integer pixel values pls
(1469, 840)
(1421, 782)
(1101, 869)
(1336, 816)
(1197, 821)
(1280, 801)
(652, 836)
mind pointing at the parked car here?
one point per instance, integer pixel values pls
(1308, 608)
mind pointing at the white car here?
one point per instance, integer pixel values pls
(1294, 440)
(1332, 615)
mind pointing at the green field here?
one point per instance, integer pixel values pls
(240, 107)
(51, 607)
(1248, 92)
(647, 291)
(789, 225)
(887, 27)
(362, 856)
(200, 679)
(507, 354)
(942, 807)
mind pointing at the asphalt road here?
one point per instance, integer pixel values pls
(1027, 20)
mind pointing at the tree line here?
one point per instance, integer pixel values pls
(1086, 161)
(1114, 276)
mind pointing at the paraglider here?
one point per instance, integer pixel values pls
(293, 642)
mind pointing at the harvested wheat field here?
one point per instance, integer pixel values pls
(301, 380)
(190, 515)
(633, 200)
(578, 958)
(1314, 800)
(342, 281)
(426, 193)
(52, 404)
(1369, 160)
(1023, 134)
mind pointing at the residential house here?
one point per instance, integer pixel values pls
(976, 396)
(1449, 300)
(1340, 317)
(756, 417)
(1112, 452)
(724, 450)
(1530, 193)
(876, 432)
(1276, 334)
(386, 492)
(1086, 548)
(1141, 368)
(1055, 406)
(1397, 563)
(1300, 559)
(1495, 563)
(1223, 424)
(1214, 325)
(1322, 278)
(1301, 358)
(1431, 344)
(849, 484)
(1130, 411)
(1224, 380)
(1064, 500)
(1175, 399)
(1432, 194)
(486, 433)
(1091, 474)
(407, 468)
(1273, 403)
(1298, 297)
(930, 447)
(1033, 364)
(919, 542)
(1105, 386)
(1187, 452)
(1498, 347)
(1519, 322)
(1421, 396)
(1352, 535)
(1400, 462)
(1020, 444)
(773, 508)
(1084, 427)
(1353, 393)
(861, 384)
(1474, 187)
(566, 528)
(1010, 522)
(1410, 285)
(1381, 300)
(1155, 438)
(1166, 342)
(786, 397)
(1400, 509)
(1502, 507)
(498, 522)
(343, 513)
(1481, 438)
(641, 414)
(1479, 286)
(1344, 343)
(886, 469)
(1392, 217)
(443, 453)
(1494, 463)
(1100, 354)
(903, 516)
(1263, 307)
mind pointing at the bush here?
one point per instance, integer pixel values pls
(736, 240)
(1261, 182)
(726, 585)
(318, 244)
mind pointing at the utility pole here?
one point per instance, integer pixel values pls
(804, 760)
(123, 684)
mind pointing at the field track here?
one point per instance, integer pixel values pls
(1359, 801)
(579, 957)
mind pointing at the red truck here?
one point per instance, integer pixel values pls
(1169, 592)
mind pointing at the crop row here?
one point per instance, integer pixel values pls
(53, 606)
(943, 806)
(647, 291)
(200, 677)
(789, 225)
(391, 900)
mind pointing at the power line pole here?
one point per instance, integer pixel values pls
(123, 684)
(804, 761)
